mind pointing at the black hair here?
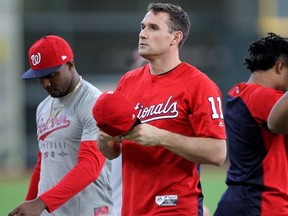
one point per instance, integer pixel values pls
(179, 20)
(265, 52)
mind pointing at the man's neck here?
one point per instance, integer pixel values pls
(159, 66)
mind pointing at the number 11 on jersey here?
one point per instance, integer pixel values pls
(216, 111)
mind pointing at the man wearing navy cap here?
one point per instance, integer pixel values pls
(71, 176)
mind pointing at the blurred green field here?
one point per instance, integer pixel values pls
(213, 185)
(13, 190)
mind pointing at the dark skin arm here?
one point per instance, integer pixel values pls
(29, 208)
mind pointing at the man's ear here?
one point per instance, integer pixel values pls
(178, 36)
(70, 64)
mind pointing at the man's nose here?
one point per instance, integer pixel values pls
(45, 82)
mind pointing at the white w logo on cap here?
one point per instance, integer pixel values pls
(36, 58)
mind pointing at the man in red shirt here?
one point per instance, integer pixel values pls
(257, 182)
(182, 122)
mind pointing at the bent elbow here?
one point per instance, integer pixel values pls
(277, 129)
(219, 161)
(219, 158)
(277, 124)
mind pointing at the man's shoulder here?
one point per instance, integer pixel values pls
(89, 89)
(88, 94)
(191, 71)
(137, 71)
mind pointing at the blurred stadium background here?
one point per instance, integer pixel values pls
(104, 34)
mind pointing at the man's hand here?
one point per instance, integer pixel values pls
(104, 137)
(29, 208)
(109, 146)
(145, 134)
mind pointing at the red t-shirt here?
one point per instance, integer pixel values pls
(184, 101)
(257, 178)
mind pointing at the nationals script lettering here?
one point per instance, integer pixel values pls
(162, 110)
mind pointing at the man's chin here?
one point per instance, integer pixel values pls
(54, 94)
(143, 54)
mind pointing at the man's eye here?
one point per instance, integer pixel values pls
(154, 27)
(47, 77)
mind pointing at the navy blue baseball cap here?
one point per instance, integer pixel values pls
(46, 56)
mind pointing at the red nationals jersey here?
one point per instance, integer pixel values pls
(184, 101)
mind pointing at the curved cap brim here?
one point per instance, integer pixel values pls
(33, 74)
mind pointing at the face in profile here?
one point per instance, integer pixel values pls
(154, 37)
